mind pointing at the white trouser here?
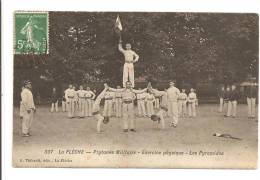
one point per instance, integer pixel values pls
(221, 103)
(118, 104)
(99, 119)
(88, 107)
(54, 106)
(182, 108)
(128, 72)
(150, 108)
(82, 103)
(71, 107)
(157, 103)
(251, 107)
(232, 108)
(192, 109)
(141, 108)
(63, 105)
(27, 121)
(128, 115)
(108, 108)
(173, 111)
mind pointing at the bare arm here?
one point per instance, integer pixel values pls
(136, 57)
(159, 93)
(139, 91)
(120, 48)
(93, 95)
(116, 90)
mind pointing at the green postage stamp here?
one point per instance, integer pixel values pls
(31, 33)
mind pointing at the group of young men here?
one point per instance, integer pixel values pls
(229, 96)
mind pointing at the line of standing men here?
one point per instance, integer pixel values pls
(228, 100)
(80, 101)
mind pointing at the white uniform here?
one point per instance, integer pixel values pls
(89, 96)
(82, 102)
(70, 99)
(182, 104)
(28, 110)
(63, 103)
(128, 96)
(96, 109)
(192, 97)
(109, 96)
(157, 101)
(141, 104)
(118, 104)
(149, 104)
(130, 58)
(172, 96)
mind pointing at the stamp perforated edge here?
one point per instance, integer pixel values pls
(25, 11)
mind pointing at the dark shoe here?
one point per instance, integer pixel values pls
(133, 130)
(125, 130)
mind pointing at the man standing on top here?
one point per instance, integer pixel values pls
(130, 58)
(29, 108)
(251, 94)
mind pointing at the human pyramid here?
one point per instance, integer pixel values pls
(119, 102)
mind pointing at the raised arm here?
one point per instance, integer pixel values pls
(139, 91)
(120, 48)
(157, 92)
(116, 90)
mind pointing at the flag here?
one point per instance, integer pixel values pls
(118, 24)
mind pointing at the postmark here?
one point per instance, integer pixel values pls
(31, 32)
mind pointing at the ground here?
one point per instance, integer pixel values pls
(191, 143)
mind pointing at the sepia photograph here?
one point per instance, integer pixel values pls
(135, 90)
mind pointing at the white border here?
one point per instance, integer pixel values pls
(8, 7)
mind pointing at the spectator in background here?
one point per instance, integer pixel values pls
(192, 97)
(251, 94)
(232, 103)
(221, 94)
(63, 102)
(54, 100)
(226, 100)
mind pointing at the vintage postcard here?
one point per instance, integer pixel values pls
(135, 89)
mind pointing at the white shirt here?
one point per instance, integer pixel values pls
(130, 55)
(192, 97)
(81, 93)
(173, 94)
(109, 95)
(27, 99)
(150, 97)
(89, 94)
(141, 96)
(69, 94)
(183, 96)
